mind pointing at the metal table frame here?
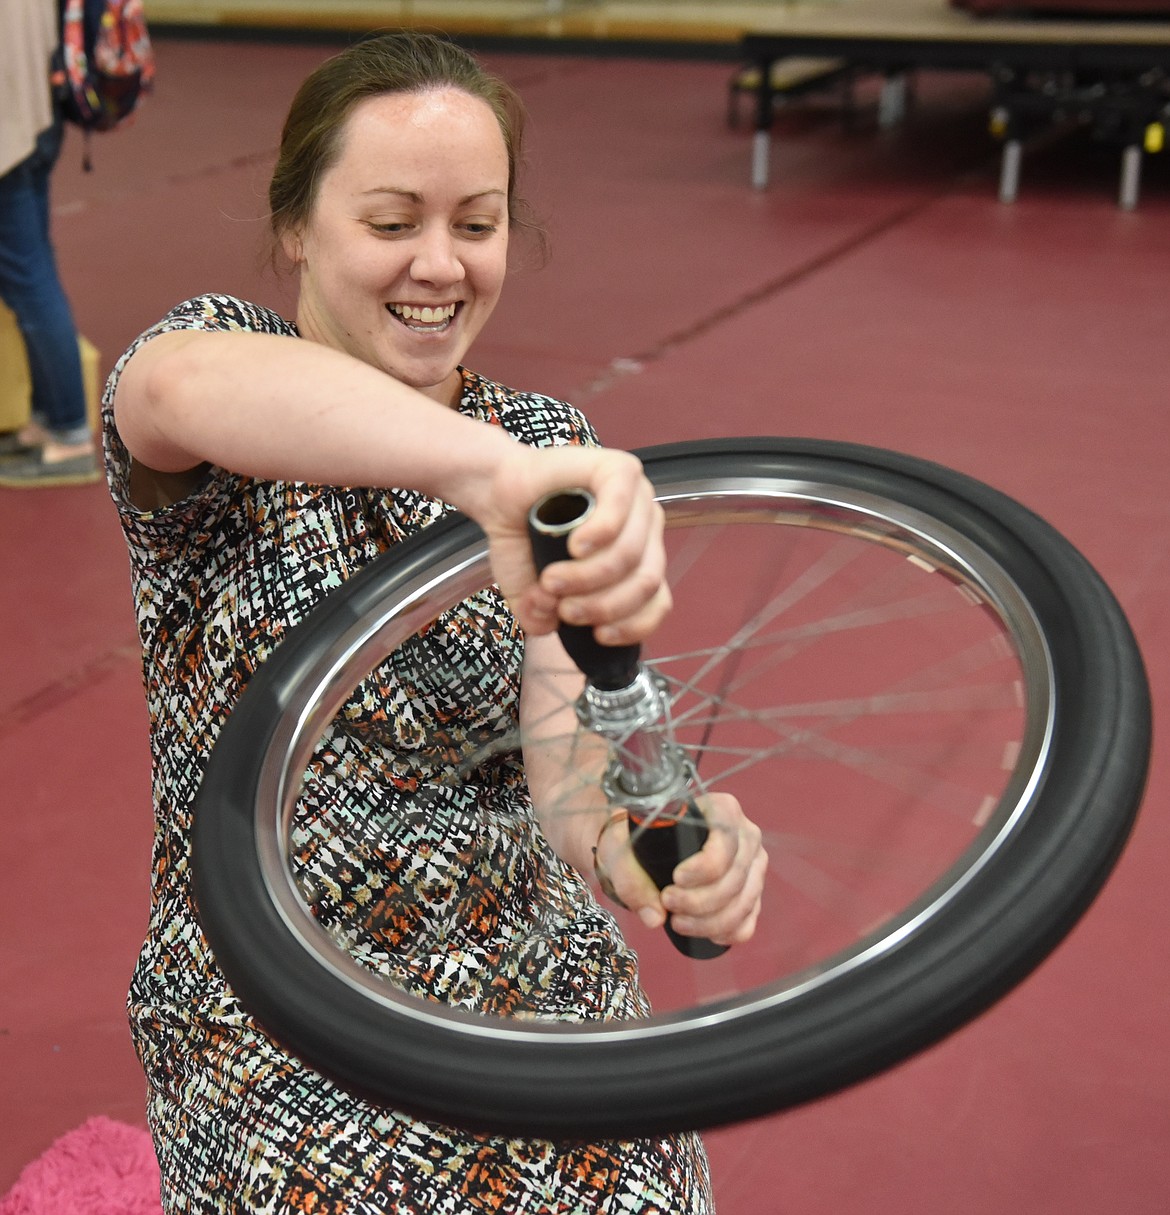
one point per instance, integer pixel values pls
(1113, 72)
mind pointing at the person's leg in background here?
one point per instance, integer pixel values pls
(56, 447)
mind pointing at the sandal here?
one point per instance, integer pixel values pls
(32, 471)
(11, 445)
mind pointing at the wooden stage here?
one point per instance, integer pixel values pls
(712, 22)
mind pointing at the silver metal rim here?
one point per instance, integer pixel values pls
(330, 678)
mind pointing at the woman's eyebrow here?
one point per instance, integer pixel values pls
(415, 197)
(412, 195)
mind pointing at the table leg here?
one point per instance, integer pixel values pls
(1009, 172)
(762, 139)
(1131, 173)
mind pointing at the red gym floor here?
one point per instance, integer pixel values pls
(876, 292)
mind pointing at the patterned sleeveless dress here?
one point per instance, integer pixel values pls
(239, 1124)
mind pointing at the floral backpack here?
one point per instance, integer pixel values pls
(105, 63)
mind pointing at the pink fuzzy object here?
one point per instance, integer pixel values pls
(101, 1168)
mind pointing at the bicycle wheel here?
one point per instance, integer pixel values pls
(924, 695)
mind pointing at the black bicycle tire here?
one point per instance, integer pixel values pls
(575, 1084)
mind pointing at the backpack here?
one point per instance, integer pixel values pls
(105, 63)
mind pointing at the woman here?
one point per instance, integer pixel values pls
(234, 441)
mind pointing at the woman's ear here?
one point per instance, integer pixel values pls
(293, 248)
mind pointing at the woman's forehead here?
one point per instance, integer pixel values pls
(414, 142)
(437, 118)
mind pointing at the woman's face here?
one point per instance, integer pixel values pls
(405, 252)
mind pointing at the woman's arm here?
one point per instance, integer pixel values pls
(274, 406)
(277, 407)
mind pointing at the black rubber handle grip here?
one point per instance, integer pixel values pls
(659, 850)
(611, 668)
(550, 524)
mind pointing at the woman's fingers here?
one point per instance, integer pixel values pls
(616, 580)
(618, 585)
(620, 876)
(715, 894)
(730, 917)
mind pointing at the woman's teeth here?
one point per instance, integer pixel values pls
(423, 316)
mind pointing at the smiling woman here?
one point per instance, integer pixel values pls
(404, 277)
(257, 463)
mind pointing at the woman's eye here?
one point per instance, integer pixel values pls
(479, 228)
(393, 228)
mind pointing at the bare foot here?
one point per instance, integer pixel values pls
(31, 434)
(54, 452)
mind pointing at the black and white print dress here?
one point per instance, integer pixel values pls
(462, 898)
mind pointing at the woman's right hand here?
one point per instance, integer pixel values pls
(616, 581)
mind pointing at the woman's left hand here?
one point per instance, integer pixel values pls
(715, 894)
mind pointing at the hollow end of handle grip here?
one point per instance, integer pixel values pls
(550, 524)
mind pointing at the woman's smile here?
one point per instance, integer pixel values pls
(424, 318)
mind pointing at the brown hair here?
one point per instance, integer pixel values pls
(399, 62)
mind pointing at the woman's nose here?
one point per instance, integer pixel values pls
(436, 257)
